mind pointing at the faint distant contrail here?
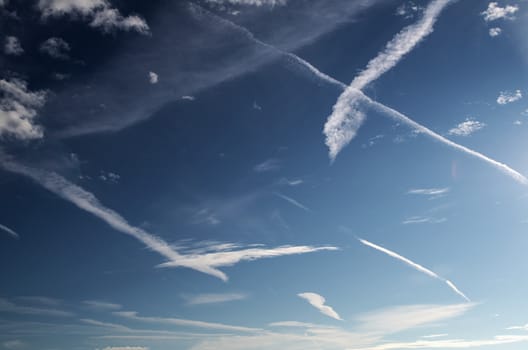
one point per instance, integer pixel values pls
(8, 230)
(293, 201)
(415, 266)
(394, 114)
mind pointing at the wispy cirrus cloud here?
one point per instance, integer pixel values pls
(319, 302)
(268, 165)
(415, 266)
(506, 97)
(249, 2)
(213, 298)
(423, 220)
(432, 191)
(231, 255)
(8, 306)
(132, 315)
(101, 305)
(11, 232)
(207, 262)
(347, 115)
(495, 12)
(467, 127)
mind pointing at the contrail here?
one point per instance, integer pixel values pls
(8, 230)
(346, 118)
(394, 114)
(415, 266)
(293, 201)
(207, 263)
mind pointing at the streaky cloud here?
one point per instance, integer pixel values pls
(11, 232)
(293, 202)
(213, 298)
(207, 263)
(333, 123)
(415, 266)
(346, 118)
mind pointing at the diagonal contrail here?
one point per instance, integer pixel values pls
(359, 95)
(415, 266)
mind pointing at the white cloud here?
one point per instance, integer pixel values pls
(250, 2)
(346, 118)
(518, 328)
(517, 122)
(14, 344)
(431, 336)
(423, 220)
(101, 305)
(318, 302)
(207, 262)
(99, 13)
(10, 231)
(506, 97)
(414, 265)
(12, 46)
(495, 12)
(126, 348)
(290, 182)
(268, 165)
(429, 191)
(10, 307)
(293, 201)
(231, 254)
(131, 315)
(213, 298)
(493, 32)
(18, 110)
(467, 127)
(56, 48)
(188, 98)
(153, 78)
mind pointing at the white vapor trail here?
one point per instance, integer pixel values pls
(8, 230)
(293, 202)
(207, 263)
(356, 94)
(415, 266)
(346, 118)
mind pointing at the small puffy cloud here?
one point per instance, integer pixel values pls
(493, 32)
(18, 110)
(56, 48)
(318, 302)
(12, 46)
(495, 12)
(517, 122)
(408, 10)
(99, 13)
(466, 128)
(109, 177)
(153, 78)
(506, 97)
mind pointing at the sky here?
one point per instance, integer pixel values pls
(263, 174)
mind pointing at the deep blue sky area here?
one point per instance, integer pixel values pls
(263, 174)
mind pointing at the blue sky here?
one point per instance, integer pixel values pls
(263, 174)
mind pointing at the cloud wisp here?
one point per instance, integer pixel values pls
(11, 232)
(467, 127)
(415, 266)
(306, 67)
(346, 118)
(207, 262)
(213, 298)
(319, 302)
(506, 97)
(435, 191)
(293, 202)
